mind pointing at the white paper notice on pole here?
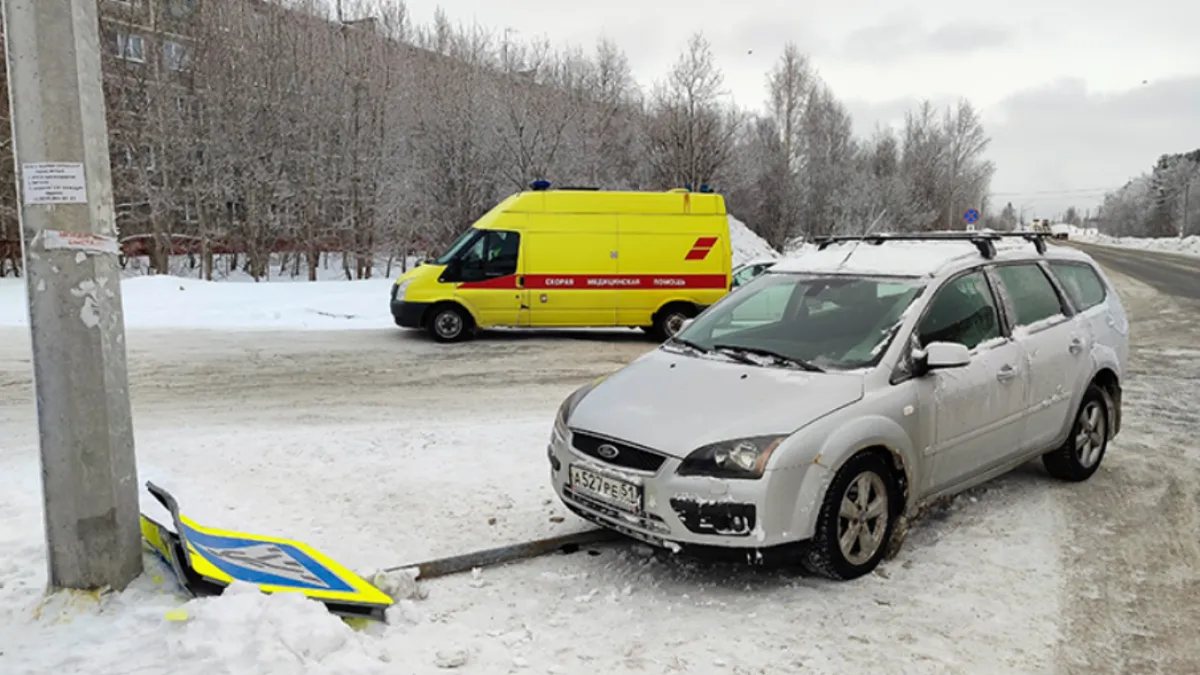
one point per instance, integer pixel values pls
(80, 241)
(54, 183)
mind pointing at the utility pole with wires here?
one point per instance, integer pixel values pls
(69, 241)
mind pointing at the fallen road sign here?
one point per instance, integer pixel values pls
(206, 560)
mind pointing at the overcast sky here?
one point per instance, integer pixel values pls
(1077, 95)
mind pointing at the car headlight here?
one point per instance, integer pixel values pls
(739, 458)
(399, 287)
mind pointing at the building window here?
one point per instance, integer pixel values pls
(181, 8)
(131, 47)
(175, 55)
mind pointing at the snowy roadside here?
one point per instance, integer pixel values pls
(975, 590)
(309, 435)
(1186, 246)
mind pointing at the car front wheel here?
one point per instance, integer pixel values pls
(856, 520)
(449, 323)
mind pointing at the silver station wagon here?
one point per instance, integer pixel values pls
(888, 371)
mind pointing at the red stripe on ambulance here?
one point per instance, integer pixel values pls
(701, 248)
(600, 282)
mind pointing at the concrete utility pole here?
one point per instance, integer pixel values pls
(68, 235)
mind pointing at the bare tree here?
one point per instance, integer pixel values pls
(966, 174)
(270, 136)
(690, 131)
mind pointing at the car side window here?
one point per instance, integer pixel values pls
(471, 259)
(492, 255)
(1032, 295)
(962, 311)
(503, 250)
(1082, 283)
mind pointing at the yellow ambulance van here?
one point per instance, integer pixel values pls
(574, 258)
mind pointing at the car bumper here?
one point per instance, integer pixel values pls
(688, 513)
(408, 314)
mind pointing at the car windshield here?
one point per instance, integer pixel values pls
(814, 322)
(463, 239)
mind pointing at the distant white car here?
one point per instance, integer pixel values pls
(743, 274)
(888, 373)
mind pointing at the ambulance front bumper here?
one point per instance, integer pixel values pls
(408, 314)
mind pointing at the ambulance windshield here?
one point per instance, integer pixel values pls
(463, 240)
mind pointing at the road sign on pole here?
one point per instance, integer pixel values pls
(69, 241)
(971, 216)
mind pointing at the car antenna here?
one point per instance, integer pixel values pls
(866, 233)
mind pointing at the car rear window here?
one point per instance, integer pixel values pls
(1081, 282)
(1033, 296)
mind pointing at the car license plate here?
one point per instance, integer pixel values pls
(616, 492)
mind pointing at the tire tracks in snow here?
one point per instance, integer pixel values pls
(1133, 577)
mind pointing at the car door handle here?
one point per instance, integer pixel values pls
(1076, 346)
(1006, 373)
(521, 281)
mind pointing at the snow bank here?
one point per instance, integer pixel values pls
(748, 246)
(1186, 246)
(172, 302)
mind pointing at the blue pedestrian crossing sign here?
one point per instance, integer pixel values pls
(971, 216)
(207, 560)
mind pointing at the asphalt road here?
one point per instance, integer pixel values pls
(1168, 273)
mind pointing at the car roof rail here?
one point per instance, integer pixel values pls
(984, 241)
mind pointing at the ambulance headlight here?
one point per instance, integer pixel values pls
(399, 288)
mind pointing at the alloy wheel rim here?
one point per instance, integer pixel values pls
(862, 518)
(1089, 440)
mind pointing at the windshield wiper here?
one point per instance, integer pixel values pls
(731, 350)
(689, 344)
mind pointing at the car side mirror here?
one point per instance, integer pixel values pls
(942, 355)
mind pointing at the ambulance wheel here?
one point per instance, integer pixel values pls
(669, 320)
(448, 323)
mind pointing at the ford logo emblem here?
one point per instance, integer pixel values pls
(608, 451)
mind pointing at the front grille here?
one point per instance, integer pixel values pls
(627, 457)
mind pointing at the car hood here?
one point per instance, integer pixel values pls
(675, 404)
(423, 271)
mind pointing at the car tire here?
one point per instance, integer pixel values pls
(448, 323)
(866, 480)
(669, 320)
(1078, 458)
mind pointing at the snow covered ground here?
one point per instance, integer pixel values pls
(364, 445)
(173, 302)
(359, 446)
(1186, 245)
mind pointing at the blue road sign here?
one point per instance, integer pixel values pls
(971, 215)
